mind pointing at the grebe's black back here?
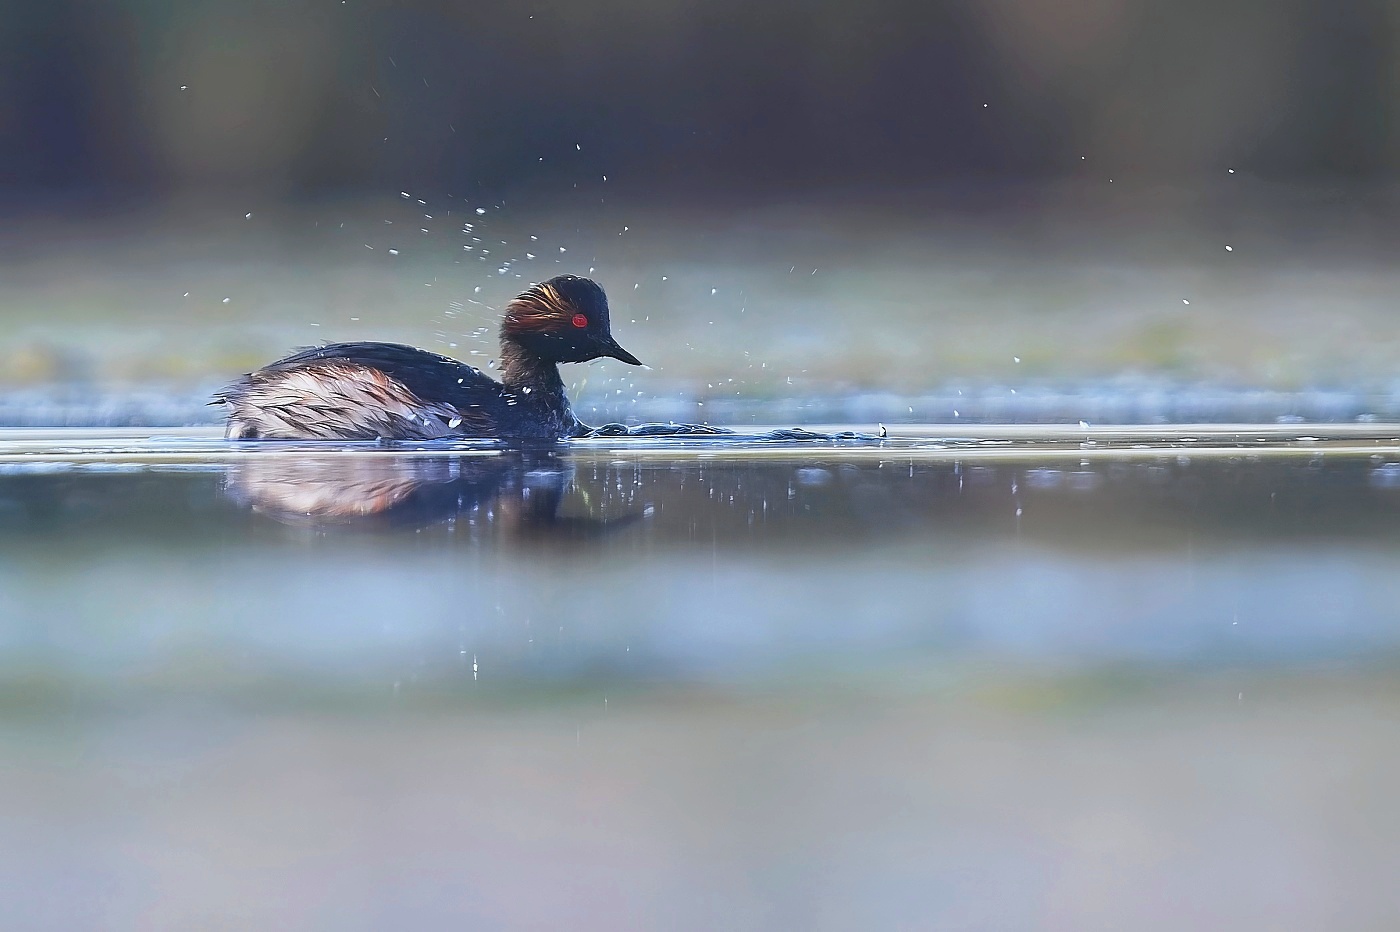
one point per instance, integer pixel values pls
(368, 391)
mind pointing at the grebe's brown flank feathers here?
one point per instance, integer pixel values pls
(564, 319)
(361, 391)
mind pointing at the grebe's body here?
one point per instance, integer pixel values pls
(368, 391)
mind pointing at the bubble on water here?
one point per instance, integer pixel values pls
(481, 210)
(227, 300)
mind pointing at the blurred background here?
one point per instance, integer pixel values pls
(789, 200)
(688, 102)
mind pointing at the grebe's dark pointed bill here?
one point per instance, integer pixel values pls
(610, 348)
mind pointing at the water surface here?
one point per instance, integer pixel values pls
(993, 676)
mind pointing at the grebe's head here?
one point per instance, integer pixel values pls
(563, 320)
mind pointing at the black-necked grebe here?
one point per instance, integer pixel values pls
(369, 391)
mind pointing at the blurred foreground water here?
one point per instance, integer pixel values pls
(1029, 678)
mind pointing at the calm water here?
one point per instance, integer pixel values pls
(996, 677)
(1003, 678)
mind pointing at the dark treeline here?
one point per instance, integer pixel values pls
(688, 97)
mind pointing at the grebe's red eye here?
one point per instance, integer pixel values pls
(580, 321)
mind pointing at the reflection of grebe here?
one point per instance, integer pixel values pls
(519, 493)
(370, 391)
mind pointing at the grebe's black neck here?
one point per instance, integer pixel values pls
(536, 386)
(524, 371)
